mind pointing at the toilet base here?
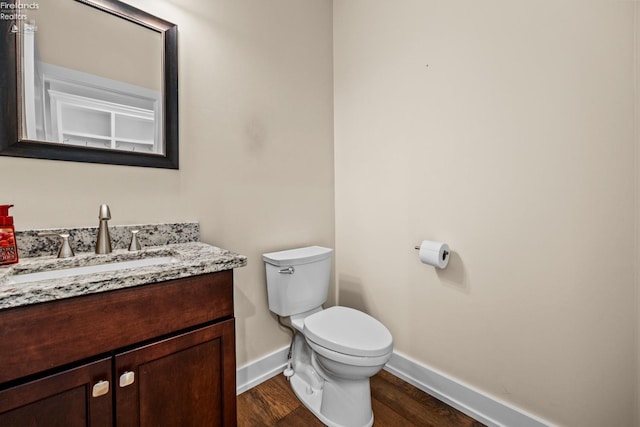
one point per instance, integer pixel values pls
(313, 402)
(325, 398)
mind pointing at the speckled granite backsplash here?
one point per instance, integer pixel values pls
(84, 239)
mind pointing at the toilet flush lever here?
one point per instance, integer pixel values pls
(288, 270)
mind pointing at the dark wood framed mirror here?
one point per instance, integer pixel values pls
(53, 109)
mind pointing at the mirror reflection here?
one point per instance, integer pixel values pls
(90, 79)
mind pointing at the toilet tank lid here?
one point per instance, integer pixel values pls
(297, 256)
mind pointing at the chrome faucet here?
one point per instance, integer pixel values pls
(103, 241)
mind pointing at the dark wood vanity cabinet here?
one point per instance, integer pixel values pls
(180, 381)
(153, 355)
(62, 399)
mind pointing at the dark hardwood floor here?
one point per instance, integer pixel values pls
(395, 404)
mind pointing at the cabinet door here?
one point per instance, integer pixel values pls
(186, 380)
(74, 398)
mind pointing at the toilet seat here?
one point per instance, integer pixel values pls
(347, 359)
(348, 332)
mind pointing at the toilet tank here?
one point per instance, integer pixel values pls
(297, 279)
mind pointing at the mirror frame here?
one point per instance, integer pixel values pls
(11, 145)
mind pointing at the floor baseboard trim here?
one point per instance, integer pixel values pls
(259, 371)
(478, 405)
(465, 398)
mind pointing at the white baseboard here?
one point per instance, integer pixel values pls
(258, 371)
(478, 405)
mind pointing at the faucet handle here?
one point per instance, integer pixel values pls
(135, 244)
(65, 248)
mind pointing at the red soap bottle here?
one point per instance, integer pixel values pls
(8, 246)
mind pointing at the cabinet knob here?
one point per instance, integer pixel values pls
(127, 378)
(100, 388)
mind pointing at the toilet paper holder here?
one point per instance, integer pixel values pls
(445, 254)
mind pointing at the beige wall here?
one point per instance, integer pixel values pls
(516, 146)
(256, 147)
(637, 204)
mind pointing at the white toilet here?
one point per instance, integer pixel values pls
(334, 351)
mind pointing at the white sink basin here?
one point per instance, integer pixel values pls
(88, 269)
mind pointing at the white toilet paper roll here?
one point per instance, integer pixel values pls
(434, 253)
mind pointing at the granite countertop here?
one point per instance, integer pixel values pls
(187, 259)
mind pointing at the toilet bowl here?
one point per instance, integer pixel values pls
(335, 350)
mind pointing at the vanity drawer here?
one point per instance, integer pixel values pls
(48, 335)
